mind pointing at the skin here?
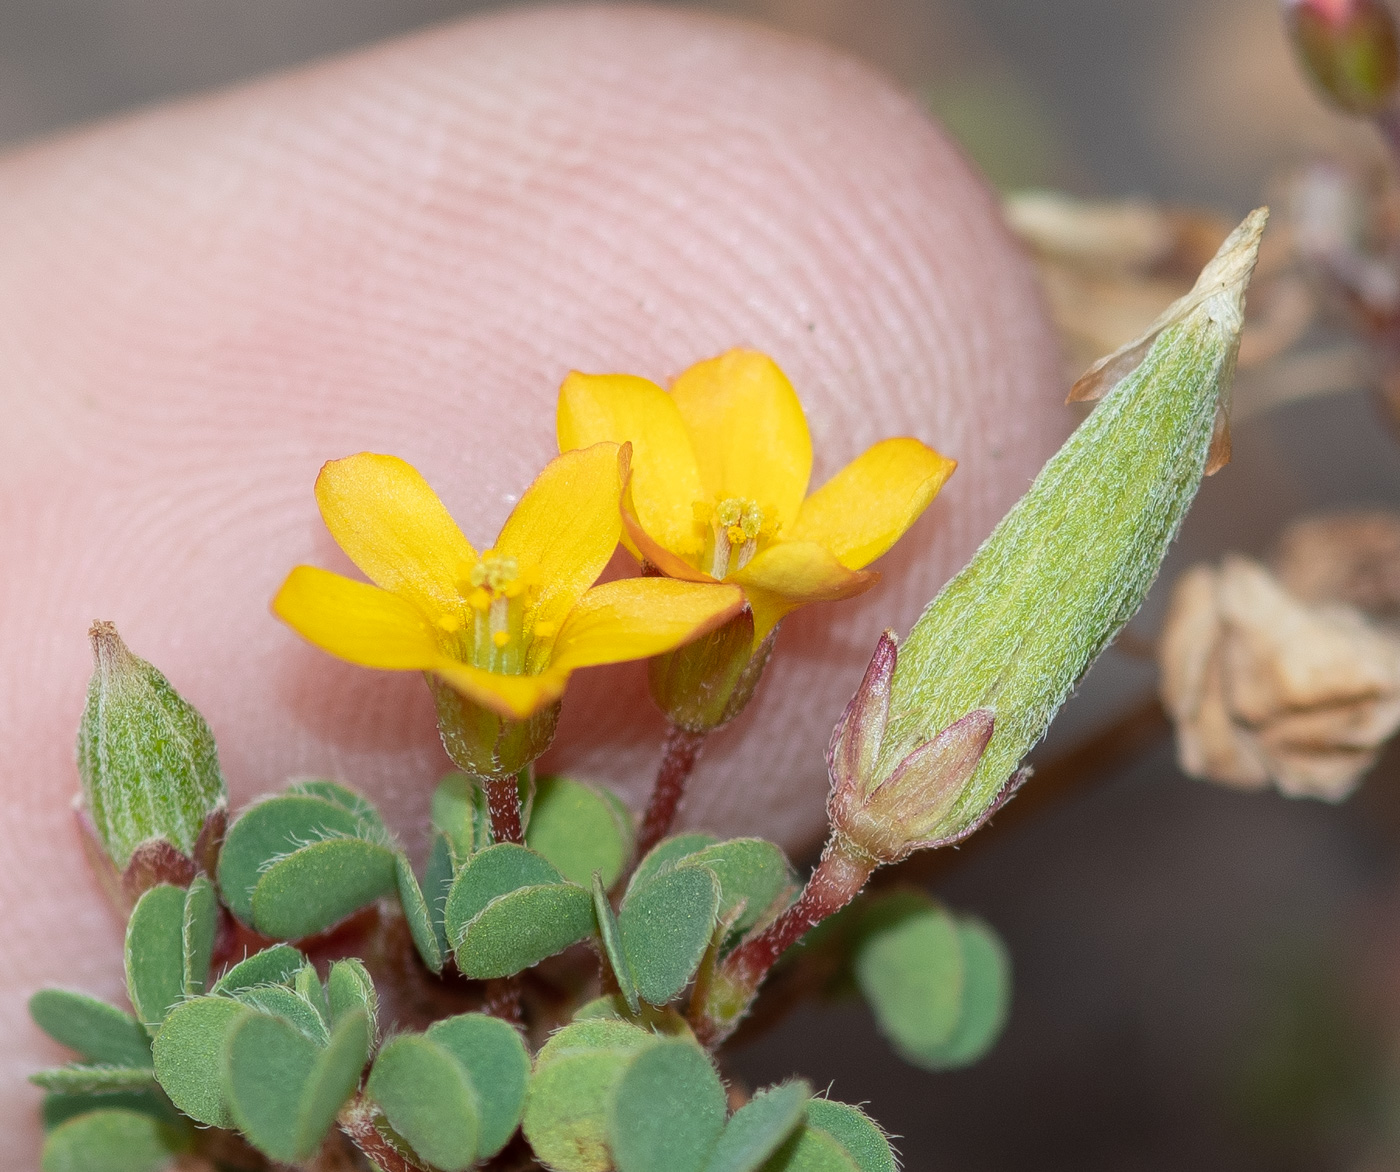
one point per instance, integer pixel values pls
(405, 251)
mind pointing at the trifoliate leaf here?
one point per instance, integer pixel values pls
(489, 874)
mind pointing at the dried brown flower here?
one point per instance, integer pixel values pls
(1344, 557)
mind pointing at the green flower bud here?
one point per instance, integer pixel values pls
(1062, 572)
(1349, 50)
(708, 682)
(146, 758)
(484, 743)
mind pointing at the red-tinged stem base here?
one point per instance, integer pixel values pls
(677, 763)
(357, 1122)
(503, 801)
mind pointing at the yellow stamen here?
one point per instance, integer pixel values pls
(501, 638)
(735, 526)
(450, 623)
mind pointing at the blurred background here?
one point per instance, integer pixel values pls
(1204, 978)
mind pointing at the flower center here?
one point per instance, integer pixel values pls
(491, 633)
(735, 526)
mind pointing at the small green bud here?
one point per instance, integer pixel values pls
(146, 758)
(484, 743)
(1064, 569)
(1348, 49)
(707, 683)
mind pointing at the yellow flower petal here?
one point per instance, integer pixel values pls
(355, 621)
(867, 506)
(801, 572)
(658, 555)
(641, 617)
(748, 432)
(518, 697)
(382, 513)
(665, 481)
(768, 611)
(565, 528)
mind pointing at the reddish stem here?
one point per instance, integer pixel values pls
(837, 880)
(357, 1122)
(677, 762)
(503, 800)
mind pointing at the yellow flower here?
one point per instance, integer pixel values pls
(718, 491)
(504, 627)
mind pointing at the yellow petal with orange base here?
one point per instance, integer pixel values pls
(382, 513)
(356, 621)
(665, 481)
(565, 528)
(867, 506)
(748, 432)
(637, 618)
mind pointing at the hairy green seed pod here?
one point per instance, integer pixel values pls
(1070, 563)
(146, 758)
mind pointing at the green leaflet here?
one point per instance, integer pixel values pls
(580, 829)
(751, 871)
(155, 954)
(811, 1150)
(759, 1128)
(494, 872)
(566, 1108)
(101, 1033)
(494, 1056)
(82, 1079)
(667, 1110)
(60, 1107)
(319, 885)
(664, 927)
(908, 962)
(189, 1053)
(854, 1130)
(112, 1140)
(427, 937)
(197, 930)
(357, 805)
(146, 758)
(348, 989)
(428, 1099)
(609, 934)
(459, 811)
(289, 1005)
(271, 966)
(524, 927)
(1073, 559)
(666, 854)
(986, 1000)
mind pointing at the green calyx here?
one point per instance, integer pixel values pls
(1074, 558)
(705, 684)
(146, 758)
(483, 742)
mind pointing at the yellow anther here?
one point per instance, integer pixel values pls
(546, 630)
(450, 623)
(479, 599)
(735, 534)
(501, 638)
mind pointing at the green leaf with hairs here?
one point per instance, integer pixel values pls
(349, 989)
(272, 966)
(428, 1098)
(908, 963)
(666, 854)
(189, 1054)
(612, 946)
(271, 830)
(489, 874)
(811, 1150)
(59, 1107)
(566, 1107)
(751, 871)
(112, 1140)
(760, 1127)
(665, 926)
(94, 1079)
(667, 1110)
(454, 813)
(100, 1032)
(859, 1136)
(371, 823)
(580, 829)
(333, 1079)
(292, 1007)
(522, 928)
(315, 887)
(197, 932)
(494, 1056)
(421, 926)
(155, 954)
